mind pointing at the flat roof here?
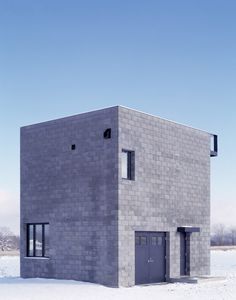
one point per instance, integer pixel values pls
(122, 106)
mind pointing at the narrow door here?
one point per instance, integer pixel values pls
(183, 254)
(150, 254)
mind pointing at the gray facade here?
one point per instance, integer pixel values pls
(93, 213)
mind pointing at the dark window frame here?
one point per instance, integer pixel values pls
(34, 239)
(214, 147)
(130, 164)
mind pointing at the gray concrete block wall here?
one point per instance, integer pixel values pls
(94, 213)
(76, 192)
(171, 189)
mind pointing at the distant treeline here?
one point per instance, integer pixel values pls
(220, 236)
(223, 236)
(8, 240)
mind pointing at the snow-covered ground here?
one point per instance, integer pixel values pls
(9, 267)
(14, 288)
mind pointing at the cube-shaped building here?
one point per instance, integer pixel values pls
(116, 197)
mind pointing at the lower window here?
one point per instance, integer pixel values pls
(38, 240)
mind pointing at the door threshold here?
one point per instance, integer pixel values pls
(153, 283)
(184, 279)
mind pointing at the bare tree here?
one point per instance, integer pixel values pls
(218, 234)
(233, 235)
(5, 239)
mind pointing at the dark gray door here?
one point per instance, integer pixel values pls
(150, 254)
(183, 254)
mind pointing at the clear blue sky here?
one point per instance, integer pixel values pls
(175, 59)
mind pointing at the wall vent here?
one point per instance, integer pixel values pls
(107, 133)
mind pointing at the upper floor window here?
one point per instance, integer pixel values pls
(107, 133)
(214, 145)
(38, 240)
(127, 164)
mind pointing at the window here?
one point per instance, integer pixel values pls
(143, 240)
(154, 240)
(127, 164)
(214, 145)
(38, 240)
(107, 133)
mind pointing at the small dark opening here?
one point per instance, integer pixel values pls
(107, 133)
(73, 147)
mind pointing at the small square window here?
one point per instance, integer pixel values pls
(73, 147)
(137, 240)
(107, 133)
(127, 164)
(159, 241)
(154, 240)
(143, 240)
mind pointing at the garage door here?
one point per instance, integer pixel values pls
(150, 254)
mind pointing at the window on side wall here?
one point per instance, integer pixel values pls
(38, 240)
(127, 164)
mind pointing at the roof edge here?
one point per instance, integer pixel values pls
(69, 116)
(168, 120)
(122, 106)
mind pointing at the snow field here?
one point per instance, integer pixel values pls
(14, 288)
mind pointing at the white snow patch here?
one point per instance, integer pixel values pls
(13, 288)
(9, 266)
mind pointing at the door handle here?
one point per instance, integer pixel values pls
(150, 260)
